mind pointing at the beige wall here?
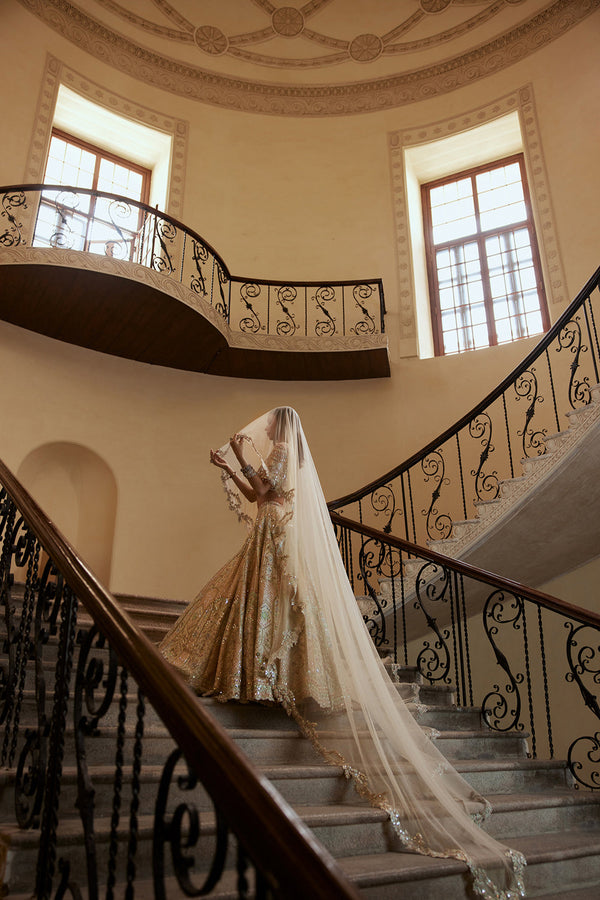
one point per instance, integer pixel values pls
(281, 198)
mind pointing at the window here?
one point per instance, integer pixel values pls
(485, 277)
(82, 221)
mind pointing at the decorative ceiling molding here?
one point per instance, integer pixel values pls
(196, 83)
(521, 100)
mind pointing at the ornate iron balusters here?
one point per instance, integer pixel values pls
(285, 298)
(583, 656)
(326, 326)
(12, 235)
(431, 585)
(200, 256)
(362, 292)
(439, 525)
(570, 338)
(65, 204)
(182, 834)
(503, 609)
(251, 323)
(165, 233)
(94, 671)
(526, 388)
(121, 248)
(487, 486)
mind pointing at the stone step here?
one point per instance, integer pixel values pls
(346, 830)
(552, 860)
(317, 784)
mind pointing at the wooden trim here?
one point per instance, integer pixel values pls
(272, 833)
(101, 153)
(478, 236)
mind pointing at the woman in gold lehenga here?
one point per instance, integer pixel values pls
(280, 623)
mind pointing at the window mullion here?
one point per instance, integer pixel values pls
(485, 272)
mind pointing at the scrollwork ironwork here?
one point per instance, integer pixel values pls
(120, 248)
(370, 561)
(383, 501)
(431, 586)
(251, 323)
(439, 525)
(95, 683)
(503, 609)
(325, 294)
(200, 256)
(487, 486)
(583, 656)
(526, 388)
(285, 297)
(65, 203)
(182, 835)
(570, 338)
(366, 325)
(165, 232)
(12, 235)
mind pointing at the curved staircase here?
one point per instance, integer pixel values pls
(534, 807)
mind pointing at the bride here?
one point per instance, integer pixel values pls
(280, 623)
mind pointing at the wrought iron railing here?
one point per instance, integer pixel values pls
(70, 218)
(78, 684)
(464, 467)
(452, 621)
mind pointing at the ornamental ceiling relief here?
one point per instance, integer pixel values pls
(318, 58)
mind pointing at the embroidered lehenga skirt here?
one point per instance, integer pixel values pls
(245, 632)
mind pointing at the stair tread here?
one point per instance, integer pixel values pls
(379, 868)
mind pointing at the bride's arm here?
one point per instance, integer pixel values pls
(259, 487)
(217, 460)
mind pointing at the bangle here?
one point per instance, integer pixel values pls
(248, 471)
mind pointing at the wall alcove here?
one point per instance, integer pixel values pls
(78, 491)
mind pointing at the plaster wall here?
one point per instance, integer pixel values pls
(281, 198)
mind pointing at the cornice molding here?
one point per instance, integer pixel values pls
(196, 83)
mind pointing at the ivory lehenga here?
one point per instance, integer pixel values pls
(280, 623)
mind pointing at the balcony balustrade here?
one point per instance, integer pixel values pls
(171, 299)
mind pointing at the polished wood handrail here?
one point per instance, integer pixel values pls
(272, 833)
(585, 616)
(497, 392)
(153, 210)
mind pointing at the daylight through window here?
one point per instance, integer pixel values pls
(86, 221)
(483, 262)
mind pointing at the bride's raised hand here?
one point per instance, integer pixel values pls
(236, 445)
(217, 460)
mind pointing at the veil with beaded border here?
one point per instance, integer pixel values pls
(354, 715)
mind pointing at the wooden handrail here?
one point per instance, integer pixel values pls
(272, 833)
(585, 616)
(193, 234)
(546, 340)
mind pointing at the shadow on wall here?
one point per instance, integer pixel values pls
(78, 491)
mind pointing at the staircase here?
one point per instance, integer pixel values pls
(515, 534)
(535, 810)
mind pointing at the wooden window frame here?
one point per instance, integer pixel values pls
(102, 154)
(479, 237)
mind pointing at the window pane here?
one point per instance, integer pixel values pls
(500, 196)
(513, 285)
(463, 318)
(453, 211)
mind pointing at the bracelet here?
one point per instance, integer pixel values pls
(248, 471)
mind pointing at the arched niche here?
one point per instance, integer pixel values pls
(78, 491)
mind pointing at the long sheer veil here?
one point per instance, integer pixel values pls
(353, 713)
